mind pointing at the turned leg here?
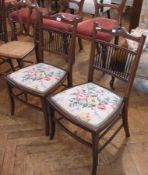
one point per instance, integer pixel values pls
(45, 113)
(125, 121)
(51, 113)
(94, 154)
(12, 102)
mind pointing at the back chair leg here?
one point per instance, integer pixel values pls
(69, 80)
(112, 83)
(45, 113)
(94, 154)
(80, 43)
(125, 121)
(20, 63)
(12, 101)
(11, 65)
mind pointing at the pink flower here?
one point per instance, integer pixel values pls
(101, 106)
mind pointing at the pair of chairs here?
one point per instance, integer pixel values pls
(90, 106)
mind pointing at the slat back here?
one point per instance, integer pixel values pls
(116, 60)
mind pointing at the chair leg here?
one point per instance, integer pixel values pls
(12, 102)
(108, 14)
(69, 80)
(125, 121)
(45, 113)
(94, 154)
(11, 65)
(20, 63)
(80, 43)
(112, 83)
(51, 113)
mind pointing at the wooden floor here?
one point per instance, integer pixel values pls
(25, 150)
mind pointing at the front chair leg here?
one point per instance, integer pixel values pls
(94, 154)
(45, 113)
(52, 122)
(12, 102)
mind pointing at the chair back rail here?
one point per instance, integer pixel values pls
(55, 39)
(115, 60)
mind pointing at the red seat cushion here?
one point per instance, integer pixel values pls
(85, 28)
(58, 24)
(24, 15)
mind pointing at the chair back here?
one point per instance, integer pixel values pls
(60, 40)
(118, 61)
(22, 17)
(118, 7)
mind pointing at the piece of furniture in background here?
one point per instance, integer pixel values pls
(128, 2)
(16, 49)
(94, 108)
(89, 6)
(85, 28)
(50, 41)
(40, 80)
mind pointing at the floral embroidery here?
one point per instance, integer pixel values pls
(40, 77)
(89, 103)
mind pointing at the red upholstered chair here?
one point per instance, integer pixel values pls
(40, 80)
(95, 108)
(85, 28)
(24, 16)
(57, 25)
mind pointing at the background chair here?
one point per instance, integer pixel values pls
(62, 9)
(40, 80)
(95, 108)
(85, 28)
(18, 50)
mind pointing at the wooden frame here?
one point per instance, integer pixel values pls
(101, 59)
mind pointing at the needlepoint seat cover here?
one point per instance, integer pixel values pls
(85, 28)
(16, 49)
(39, 77)
(88, 103)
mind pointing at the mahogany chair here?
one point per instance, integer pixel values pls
(40, 80)
(85, 28)
(95, 108)
(17, 49)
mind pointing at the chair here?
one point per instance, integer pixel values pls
(40, 80)
(16, 49)
(61, 9)
(95, 108)
(85, 28)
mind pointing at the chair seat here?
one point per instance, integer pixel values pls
(16, 49)
(24, 14)
(88, 103)
(39, 77)
(85, 28)
(58, 24)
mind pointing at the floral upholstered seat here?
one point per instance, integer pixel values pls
(39, 77)
(88, 103)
